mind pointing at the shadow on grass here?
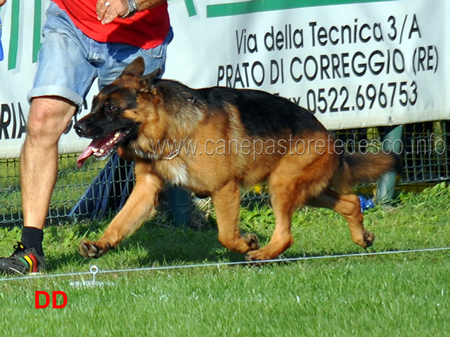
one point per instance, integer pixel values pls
(161, 245)
(157, 244)
(154, 245)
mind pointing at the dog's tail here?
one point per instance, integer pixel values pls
(359, 168)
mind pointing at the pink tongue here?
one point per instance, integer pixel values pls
(85, 155)
(96, 143)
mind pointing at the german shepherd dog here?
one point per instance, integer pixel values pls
(242, 137)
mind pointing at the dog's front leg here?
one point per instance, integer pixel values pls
(139, 207)
(226, 203)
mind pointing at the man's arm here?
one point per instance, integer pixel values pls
(147, 4)
(108, 10)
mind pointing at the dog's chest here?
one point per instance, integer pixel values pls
(174, 171)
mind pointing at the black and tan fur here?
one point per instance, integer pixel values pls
(145, 109)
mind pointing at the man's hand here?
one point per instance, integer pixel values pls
(108, 10)
(2, 2)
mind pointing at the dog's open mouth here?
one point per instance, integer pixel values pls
(102, 148)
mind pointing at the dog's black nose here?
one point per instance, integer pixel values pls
(80, 128)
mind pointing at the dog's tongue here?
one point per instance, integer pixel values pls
(85, 155)
(95, 144)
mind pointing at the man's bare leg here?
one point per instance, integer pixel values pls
(48, 118)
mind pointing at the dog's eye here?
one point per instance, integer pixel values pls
(110, 108)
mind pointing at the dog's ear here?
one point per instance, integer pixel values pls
(150, 80)
(135, 68)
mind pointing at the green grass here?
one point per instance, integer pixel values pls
(380, 295)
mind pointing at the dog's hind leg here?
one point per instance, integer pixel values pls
(139, 207)
(284, 205)
(291, 184)
(226, 203)
(349, 207)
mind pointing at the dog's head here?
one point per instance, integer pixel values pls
(114, 119)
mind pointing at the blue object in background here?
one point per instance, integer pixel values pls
(109, 190)
(1, 48)
(365, 203)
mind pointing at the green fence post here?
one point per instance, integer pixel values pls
(179, 200)
(392, 142)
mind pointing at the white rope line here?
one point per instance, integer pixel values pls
(220, 264)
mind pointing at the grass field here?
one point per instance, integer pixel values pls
(403, 294)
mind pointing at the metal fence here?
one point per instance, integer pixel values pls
(425, 150)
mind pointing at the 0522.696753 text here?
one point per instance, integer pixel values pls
(370, 96)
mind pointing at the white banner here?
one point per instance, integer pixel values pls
(353, 63)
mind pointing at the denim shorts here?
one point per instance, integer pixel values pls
(69, 61)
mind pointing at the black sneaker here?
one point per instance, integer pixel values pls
(22, 261)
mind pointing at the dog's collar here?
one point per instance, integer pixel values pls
(171, 155)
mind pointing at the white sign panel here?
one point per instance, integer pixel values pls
(353, 63)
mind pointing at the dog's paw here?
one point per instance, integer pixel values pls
(91, 249)
(260, 255)
(252, 241)
(369, 238)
